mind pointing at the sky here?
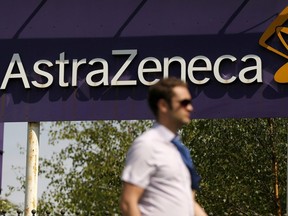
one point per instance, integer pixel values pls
(15, 142)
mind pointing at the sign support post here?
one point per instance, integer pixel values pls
(32, 159)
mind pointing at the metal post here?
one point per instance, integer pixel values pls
(32, 158)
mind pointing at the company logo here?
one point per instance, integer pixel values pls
(279, 30)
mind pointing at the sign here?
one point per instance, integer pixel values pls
(93, 60)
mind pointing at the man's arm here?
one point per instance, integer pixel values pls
(199, 211)
(129, 199)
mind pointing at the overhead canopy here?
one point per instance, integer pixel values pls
(89, 60)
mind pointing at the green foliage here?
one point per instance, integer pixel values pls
(8, 207)
(95, 154)
(236, 159)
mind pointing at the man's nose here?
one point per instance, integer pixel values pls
(190, 107)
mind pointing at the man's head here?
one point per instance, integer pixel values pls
(170, 101)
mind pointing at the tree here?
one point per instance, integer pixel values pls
(95, 157)
(242, 163)
(8, 208)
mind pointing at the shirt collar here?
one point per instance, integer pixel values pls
(167, 134)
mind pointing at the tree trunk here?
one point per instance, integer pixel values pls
(275, 168)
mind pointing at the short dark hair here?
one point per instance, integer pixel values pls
(163, 89)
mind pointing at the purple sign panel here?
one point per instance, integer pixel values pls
(87, 60)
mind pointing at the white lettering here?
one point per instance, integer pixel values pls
(192, 68)
(75, 65)
(45, 74)
(115, 81)
(199, 70)
(61, 62)
(103, 71)
(142, 70)
(182, 62)
(217, 71)
(9, 73)
(257, 68)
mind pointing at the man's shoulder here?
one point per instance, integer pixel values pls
(151, 134)
(150, 140)
(150, 144)
(144, 145)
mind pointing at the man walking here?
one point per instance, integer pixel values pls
(159, 177)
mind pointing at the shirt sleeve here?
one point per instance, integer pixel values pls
(139, 166)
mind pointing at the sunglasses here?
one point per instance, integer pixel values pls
(185, 102)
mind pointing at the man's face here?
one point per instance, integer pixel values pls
(181, 106)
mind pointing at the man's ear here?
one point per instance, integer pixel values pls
(163, 106)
